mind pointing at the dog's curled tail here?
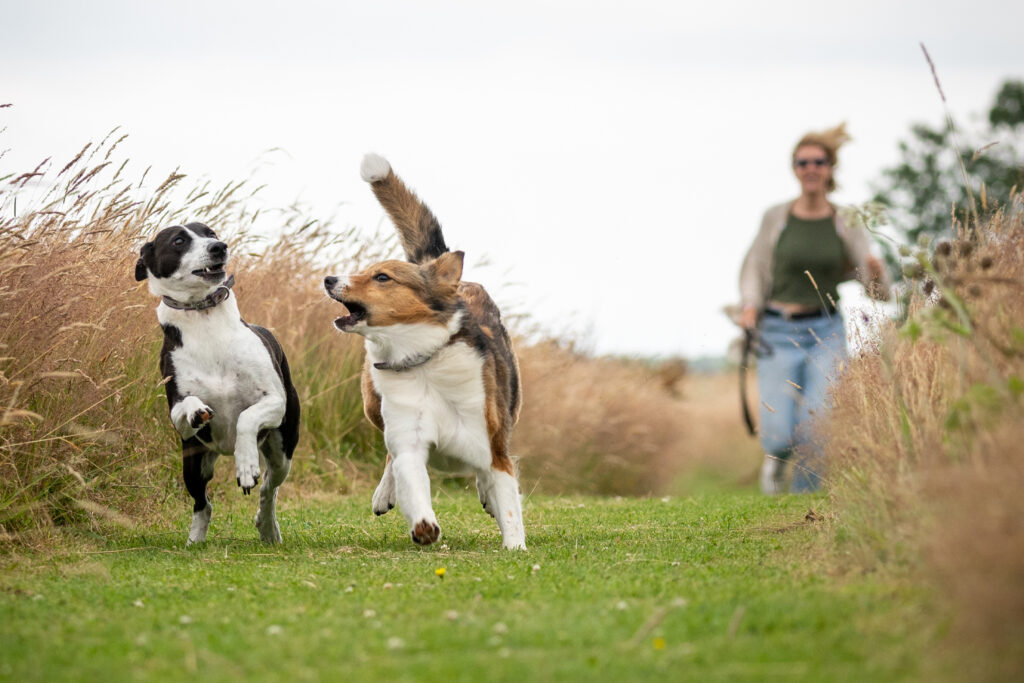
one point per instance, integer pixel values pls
(417, 226)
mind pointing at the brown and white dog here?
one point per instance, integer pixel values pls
(440, 378)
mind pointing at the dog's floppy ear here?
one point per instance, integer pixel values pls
(140, 265)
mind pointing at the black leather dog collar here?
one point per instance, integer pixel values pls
(218, 296)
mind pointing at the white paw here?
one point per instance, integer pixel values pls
(270, 532)
(384, 495)
(514, 545)
(374, 168)
(247, 473)
(200, 525)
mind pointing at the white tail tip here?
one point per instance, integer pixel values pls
(374, 168)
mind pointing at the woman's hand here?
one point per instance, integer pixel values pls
(748, 318)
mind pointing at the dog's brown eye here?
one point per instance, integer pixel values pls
(381, 277)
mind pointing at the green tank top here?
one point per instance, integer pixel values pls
(813, 246)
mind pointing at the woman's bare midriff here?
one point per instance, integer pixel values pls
(790, 308)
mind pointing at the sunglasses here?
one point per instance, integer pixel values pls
(804, 163)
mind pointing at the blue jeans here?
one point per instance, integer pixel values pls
(793, 383)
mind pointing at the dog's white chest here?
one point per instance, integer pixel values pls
(439, 406)
(229, 368)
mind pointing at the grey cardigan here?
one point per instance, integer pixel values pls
(756, 272)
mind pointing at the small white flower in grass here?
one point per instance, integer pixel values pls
(395, 643)
(535, 569)
(141, 640)
(622, 605)
(350, 589)
(388, 586)
(231, 589)
(369, 613)
(665, 499)
(451, 615)
(139, 603)
(184, 619)
(675, 564)
(274, 630)
(500, 628)
(679, 602)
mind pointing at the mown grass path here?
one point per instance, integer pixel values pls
(720, 587)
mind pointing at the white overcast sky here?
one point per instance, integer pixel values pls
(610, 159)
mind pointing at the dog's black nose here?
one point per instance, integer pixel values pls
(330, 281)
(218, 249)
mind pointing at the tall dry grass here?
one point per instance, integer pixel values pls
(928, 437)
(597, 420)
(627, 427)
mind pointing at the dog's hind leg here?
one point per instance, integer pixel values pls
(278, 467)
(197, 468)
(485, 491)
(384, 496)
(499, 493)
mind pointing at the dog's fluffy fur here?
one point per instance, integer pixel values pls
(440, 379)
(228, 385)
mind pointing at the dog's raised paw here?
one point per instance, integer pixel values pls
(425, 533)
(247, 477)
(200, 416)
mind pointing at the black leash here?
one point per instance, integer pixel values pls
(752, 344)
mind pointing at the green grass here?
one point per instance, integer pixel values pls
(718, 587)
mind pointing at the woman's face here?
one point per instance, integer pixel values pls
(812, 169)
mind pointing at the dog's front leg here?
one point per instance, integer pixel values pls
(189, 415)
(412, 490)
(267, 412)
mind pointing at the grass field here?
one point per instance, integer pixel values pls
(718, 587)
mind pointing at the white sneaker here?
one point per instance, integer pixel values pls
(772, 472)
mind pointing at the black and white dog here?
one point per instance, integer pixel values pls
(228, 385)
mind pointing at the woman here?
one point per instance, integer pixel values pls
(788, 281)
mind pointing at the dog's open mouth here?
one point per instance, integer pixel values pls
(356, 312)
(212, 272)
